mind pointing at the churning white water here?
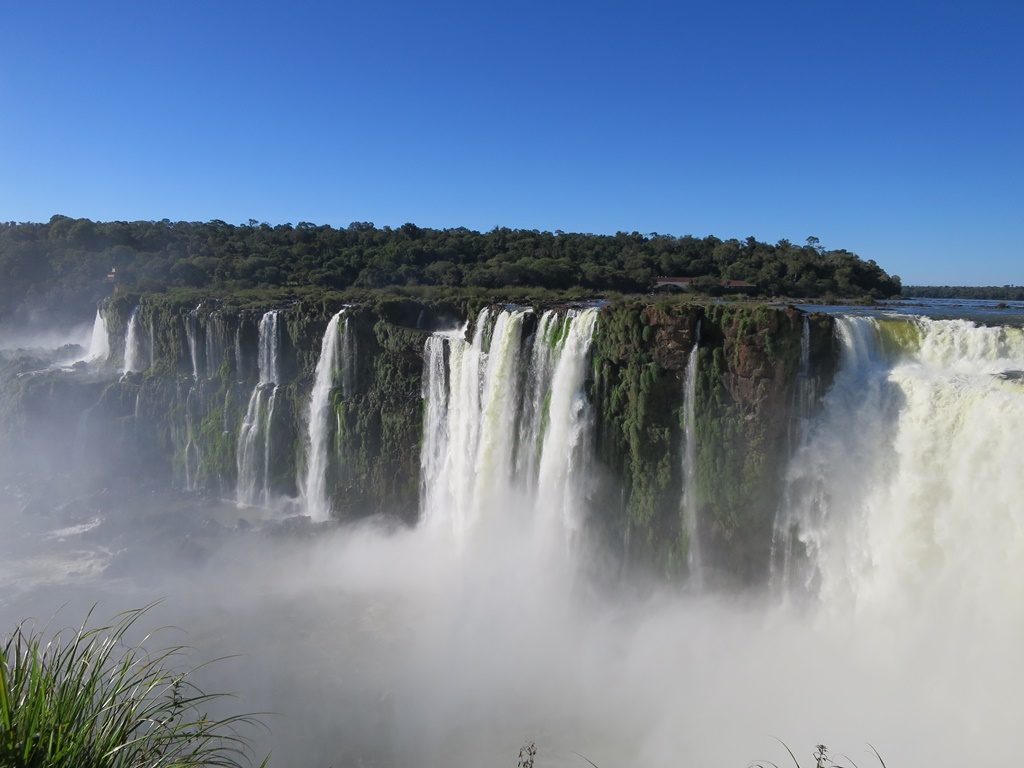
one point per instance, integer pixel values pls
(907, 489)
(320, 420)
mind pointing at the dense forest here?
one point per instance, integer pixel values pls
(60, 266)
(994, 292)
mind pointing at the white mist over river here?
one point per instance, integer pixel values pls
(894, 615)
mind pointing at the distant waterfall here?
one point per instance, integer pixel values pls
(134, 346)
(214, 342)
(336, 363)
(253, 452)
(909, 475)
(491, 437)
(99, 344)
(193, 456)
(192, 330)
(691, 501)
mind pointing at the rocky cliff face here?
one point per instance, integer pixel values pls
(748, 372)
(175, 419)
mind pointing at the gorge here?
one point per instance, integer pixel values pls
(583, 505)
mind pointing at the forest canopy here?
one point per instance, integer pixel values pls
(61, 266)
(994, 292)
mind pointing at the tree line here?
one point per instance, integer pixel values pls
(61, 265)
(994, 292)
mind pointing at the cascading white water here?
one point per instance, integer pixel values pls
(690, 500)
(498, 410)
(99, 343)
(804, 406)
(349, 352)
(452, 451)
(476, 408)
(214, 337)
(133, 343)
(547, 340)
(269, 342)
(906, 488)
(193, 456)
(253, 451)
(566, 443)
(192, 337)
(319, 420)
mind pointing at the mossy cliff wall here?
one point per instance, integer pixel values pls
(748, 371)
(176, 423)
(193, 410)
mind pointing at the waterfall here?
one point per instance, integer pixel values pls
(478, 409)
(805, 400)
(214, 336)
(806, 387)
(566, 447)
(499, 400)
(348, 359)
(240, 367)
(99, 344)
(319, 419)
(906, 486)
(691, 501)
(192, 337)
(550, 330)
(254, 447)
(133, 342)
(269, 342)
(463, 448)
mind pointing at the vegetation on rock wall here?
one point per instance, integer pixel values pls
(747, 362)
(639, 361)
(178, 421)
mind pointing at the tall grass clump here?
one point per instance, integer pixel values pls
(89, 698)
(821, 757)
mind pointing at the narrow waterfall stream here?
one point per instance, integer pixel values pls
(333, 365)
(99, 343)
(134, 353)
(254, 437)
(691, 501)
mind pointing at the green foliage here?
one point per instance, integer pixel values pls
(747, 363)
(993, 292)
(638, 394)
(88, 698)
(63, 264)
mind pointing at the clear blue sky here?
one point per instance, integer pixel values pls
(893, 129)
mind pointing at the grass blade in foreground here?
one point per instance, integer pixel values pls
(87, 698)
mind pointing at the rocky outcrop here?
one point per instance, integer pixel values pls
(748, 361)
